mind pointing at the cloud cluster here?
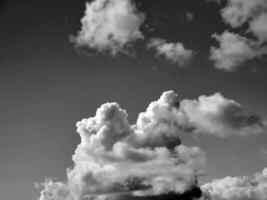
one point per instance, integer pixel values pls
(109, 26)
(115, 158)
(175, 53)
(146, 159)
(234, 50)
(238, 12)
(238, 188)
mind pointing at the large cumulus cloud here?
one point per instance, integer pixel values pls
(147, 159)
(116, 159)
(109, 26)
(238, 188)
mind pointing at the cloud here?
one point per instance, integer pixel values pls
(109, 26)
(258, 26)
(190, 16)
(217, 116)
(147, 159)
(234, 50)
(239, 188)
(212, 115)
(238, 12)
(116, 159)
(175, 53)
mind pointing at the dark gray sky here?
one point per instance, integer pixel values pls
(46, 85)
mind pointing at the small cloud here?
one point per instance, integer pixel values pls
(220, 117)
(238, 188)
(189, 16)
(109, 26)
(175, 53)
(234, 50)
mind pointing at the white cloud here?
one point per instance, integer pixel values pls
(234, 50)
(147, 158)
(109, 26)
(238, 12)
(114, 157)
(175, 53)
(258, 26)
(217, 116)
(239, 188)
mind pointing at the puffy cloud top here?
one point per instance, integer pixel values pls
(109, 26)
(115, 158)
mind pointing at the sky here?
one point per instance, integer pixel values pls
(188, 79)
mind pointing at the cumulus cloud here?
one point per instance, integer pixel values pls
(234, 50)
(109, 26)
(238, 12)
(115, 158)
(239, 188)
(147, 159)
(175, 53)
(258, 26)
(217, 116)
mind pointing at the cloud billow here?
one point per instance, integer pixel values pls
(109, 26)
(147, 159)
